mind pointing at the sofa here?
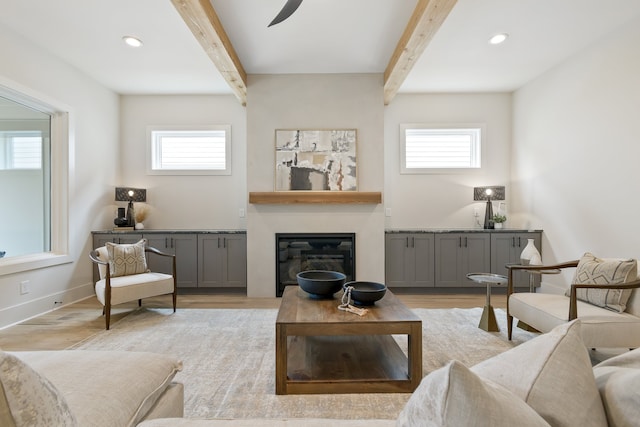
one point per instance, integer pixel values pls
(547, 381)
(87, 388)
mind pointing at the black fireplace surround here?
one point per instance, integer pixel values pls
(296, 252)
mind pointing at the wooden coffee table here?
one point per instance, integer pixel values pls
(320, 349)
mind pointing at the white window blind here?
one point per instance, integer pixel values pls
(427, 149)
(189, 151)
(22, 150)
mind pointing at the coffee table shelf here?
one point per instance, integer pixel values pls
(320, 349)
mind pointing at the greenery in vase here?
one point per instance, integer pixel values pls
(499, 218)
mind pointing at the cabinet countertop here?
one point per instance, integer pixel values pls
(461, 230)
(155, 231)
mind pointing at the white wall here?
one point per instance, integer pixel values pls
(332, 101)
(446, 200)
(576, 151)
(188, 201)
(93, 159)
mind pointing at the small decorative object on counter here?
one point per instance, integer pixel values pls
(530, 254)
(499, 220)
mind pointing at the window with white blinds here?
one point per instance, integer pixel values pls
(427, 149)
(190, 151)
(23, 150)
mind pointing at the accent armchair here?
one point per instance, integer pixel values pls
(124, 276)
(601, 295)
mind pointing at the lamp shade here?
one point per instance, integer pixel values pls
(480, 193)
(128, 194)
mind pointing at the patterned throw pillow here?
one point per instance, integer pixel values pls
(127, 259)
(29, 398)
(597, 271)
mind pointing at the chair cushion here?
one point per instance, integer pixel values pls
(106, 388)
(134, 287)
(618, 381)
(596, 271)
(127, 259)
(453, 395)
(600, 327)
(552, 373)
(29, 398)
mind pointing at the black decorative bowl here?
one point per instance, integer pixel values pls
(321, 283)
(366, 293)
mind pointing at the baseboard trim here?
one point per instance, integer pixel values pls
(19, 313)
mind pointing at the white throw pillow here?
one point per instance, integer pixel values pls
(618, 380)
(553, 374)
(127, 259)
(592, 270)
(455, 396)
(31, 399)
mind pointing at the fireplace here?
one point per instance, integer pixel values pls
(296, 252)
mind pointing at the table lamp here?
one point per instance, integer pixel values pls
(124, 194)
(488, 194)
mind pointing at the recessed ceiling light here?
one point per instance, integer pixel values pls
(132, 41)
(498, 38)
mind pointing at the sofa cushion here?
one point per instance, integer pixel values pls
(127, 259)
(266, 422)
(106, 388)
(592, 270)
(29, 398)
(453, 395)
(553, 374)
(618, 381)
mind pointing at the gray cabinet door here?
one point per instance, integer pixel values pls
(506, 249)
(457, 254)
(222, 260)
(409, 260)
(184, 247)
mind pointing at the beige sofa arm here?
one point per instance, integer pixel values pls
(573, 300)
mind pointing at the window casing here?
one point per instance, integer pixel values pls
(440, 148)
(203, 150)
(54, 169)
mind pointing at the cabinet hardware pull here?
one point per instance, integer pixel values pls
(166, 243)
(224, 242)
(406, 243)
(465, 242)
(413, 242)
(513, 242)
(460, 242)
(519, 243)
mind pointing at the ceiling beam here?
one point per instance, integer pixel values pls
(203, 22)
(425, 21)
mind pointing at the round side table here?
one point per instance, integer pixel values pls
(488, 320)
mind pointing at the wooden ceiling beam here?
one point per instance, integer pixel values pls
(425, 21)
(205, 25)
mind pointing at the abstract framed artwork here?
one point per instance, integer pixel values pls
(316, 160)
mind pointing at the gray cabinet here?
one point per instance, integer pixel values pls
(457, 254)
(203, 259)
(409, 259)
(184, 247)
(119, 238)
(506, 248)
(222, 260)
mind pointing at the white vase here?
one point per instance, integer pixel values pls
(139, 226)
(530, 254)
(497, 225)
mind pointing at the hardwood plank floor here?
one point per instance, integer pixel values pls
(76, 322)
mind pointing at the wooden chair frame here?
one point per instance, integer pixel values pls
(106, 311)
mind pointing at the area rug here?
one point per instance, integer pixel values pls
(229, 359)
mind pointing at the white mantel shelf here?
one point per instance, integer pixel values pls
(318, 197)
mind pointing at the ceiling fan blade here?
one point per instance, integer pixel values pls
(286, 11)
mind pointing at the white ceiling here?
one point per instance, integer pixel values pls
(322, 36)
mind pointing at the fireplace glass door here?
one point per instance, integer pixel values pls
(296, 252)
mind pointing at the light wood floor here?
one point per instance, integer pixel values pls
(71, 324)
